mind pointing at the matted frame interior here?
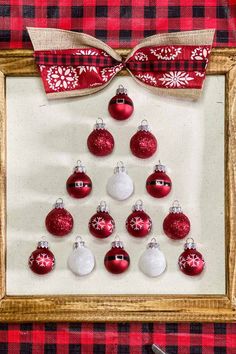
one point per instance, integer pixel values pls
(129, 307)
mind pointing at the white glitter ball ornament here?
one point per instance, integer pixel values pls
(120, 186)
(152, 262)
(81, 261)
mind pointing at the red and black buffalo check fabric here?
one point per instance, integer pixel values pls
(117, 338)
(120, 23)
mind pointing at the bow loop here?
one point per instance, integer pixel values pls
(75, 64)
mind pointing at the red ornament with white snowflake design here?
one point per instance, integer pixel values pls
(143, 144)
(41, 261)
(79, 185)
(159, 184)
(101, 224)
(191, 261)
(176, 224)
(117, 259)
(121, 106)
(100, 142)
(59, 222)
(138, 223)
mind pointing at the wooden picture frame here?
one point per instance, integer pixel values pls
(130, 307)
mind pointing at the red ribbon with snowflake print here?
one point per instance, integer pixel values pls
(76, 64)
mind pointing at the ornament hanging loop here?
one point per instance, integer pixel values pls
(120, 167)
(79, 167)
(78, 242)
(138, 206)
(121, 90)
(117, 243)
(153, 243)
(99, 124)
(144, 126)
(190, 244)
(102, 207)
(59, 203)
(175, 208)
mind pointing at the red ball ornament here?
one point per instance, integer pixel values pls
(101, 224)
(143, 144)
(191, 261)
(41, 261)
(138, 223)
(117, 259)
(79, 185)
(100, 142)
(121, 106)
(176, 224)
(59, 222)
(158, 184)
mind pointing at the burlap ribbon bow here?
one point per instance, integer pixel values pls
(76, 64)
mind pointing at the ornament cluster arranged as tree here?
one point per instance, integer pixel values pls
(176, 225)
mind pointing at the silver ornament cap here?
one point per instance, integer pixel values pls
(159, 167)
(138, 206)
(175, 208)
(79, 167)
(79, 243)
(117, 243)
(144, 126)
(99, 124)
(102, 207)
(190, 244)
(59, 204)
(153, 244)
(120, 167)
(121, 90)
(42, 244)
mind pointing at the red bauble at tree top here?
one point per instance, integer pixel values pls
(143, 143)
(121, 106)
(101, 224)
(59, 222)
(117, 259)
(159, 184)
(79, 184)
(138, 223)
(100, 142)
(42, 260)
(176, 224)
(191, 261)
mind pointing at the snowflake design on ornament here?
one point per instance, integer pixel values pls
(176, 79)
(147, 78)
(136, 223)
(182, 262)
(104, 54)
(149, 224)
(86, 52)
(62, 77)
(85, 68)
(193, 260)
(42, 67)
(31, 260)
(200, 53)
(110, 226)
(140, 56)
(108, 73)
(166, 53)
(98, 223)
(43, 260)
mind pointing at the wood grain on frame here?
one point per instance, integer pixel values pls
(143, 308)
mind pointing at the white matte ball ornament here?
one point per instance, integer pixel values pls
(152, 262)
(81, 261)
(120, 186)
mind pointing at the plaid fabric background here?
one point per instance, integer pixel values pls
(120, 338)
(121, 23)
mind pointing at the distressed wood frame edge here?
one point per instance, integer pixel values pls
(135, 307)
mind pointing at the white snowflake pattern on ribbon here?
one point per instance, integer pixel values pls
(108, 73)
(176, 79)
(43, 260)
(86, 52)
(62, 77)
(166, 53)
(198, 73)
(41, 67)
(98, 223)
(140, 56)
(147, 78)
(193, 260)
(200, 53)
(85, 68)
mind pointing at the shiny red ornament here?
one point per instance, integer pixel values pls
(138, 223)
(159, 184)
(176, 224)
(191, 261)
(121, 106)
(100, 142)
(79, 185)
(41, 261)
(143, 144)
(59, 222)
(117, 259)
(101, 224)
